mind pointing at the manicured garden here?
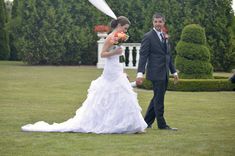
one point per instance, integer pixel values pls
(53, 93)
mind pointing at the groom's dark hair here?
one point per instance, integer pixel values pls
(159, 15)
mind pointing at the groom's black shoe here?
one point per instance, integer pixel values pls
(168, 128)
(149, 126)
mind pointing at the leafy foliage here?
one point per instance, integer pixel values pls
(79, 17)
(196, 85)
(193, 59)
(4, 45)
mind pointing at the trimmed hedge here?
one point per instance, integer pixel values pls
(193, 51)
(194, 68)
(193, 56)
(195, 85)
(193, 33)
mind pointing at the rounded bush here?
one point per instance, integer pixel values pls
(193, 51)
(193, 57)
(193, 68)
(194, 33)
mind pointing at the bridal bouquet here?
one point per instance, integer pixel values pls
(117, 40)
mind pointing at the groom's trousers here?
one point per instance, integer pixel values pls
(156, 106)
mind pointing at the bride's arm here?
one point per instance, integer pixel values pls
(107, 45)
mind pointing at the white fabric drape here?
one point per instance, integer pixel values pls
(103, 6)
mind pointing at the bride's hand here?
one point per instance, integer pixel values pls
(118, 51)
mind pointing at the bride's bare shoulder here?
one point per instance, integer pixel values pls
(110, 36)
(108, 40)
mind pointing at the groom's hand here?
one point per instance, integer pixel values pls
(139, 81)
(176, 79)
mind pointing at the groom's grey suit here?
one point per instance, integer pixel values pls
(156, 54)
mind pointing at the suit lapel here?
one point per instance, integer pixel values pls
(167, 48)
(158, 39)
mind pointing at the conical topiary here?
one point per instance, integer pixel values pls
(193, 56)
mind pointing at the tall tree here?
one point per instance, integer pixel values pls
(218, 22)
(4, 40)
(15, 29)
(8, 5)
(74, 22)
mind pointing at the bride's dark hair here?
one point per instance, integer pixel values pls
(122, 20)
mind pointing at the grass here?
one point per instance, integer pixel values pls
(206, 120)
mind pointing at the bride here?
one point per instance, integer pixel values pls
(111, 105)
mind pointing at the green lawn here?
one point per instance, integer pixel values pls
(206, 120)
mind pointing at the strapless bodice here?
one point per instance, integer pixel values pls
(112, 68)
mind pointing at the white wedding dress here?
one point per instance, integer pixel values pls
(111, 107)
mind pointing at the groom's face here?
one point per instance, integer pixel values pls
(158, 23)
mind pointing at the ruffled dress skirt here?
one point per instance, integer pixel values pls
(111, 106)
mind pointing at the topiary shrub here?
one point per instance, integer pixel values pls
(193, 56)
(217, 84)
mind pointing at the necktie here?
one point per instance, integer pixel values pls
(162, 38)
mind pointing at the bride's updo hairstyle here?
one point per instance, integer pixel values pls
(122, 20)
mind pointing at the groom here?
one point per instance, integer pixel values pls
(155, 53)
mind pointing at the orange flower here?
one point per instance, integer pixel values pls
(101, 28)
(119, 38)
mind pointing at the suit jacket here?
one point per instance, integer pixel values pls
(156, 56)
